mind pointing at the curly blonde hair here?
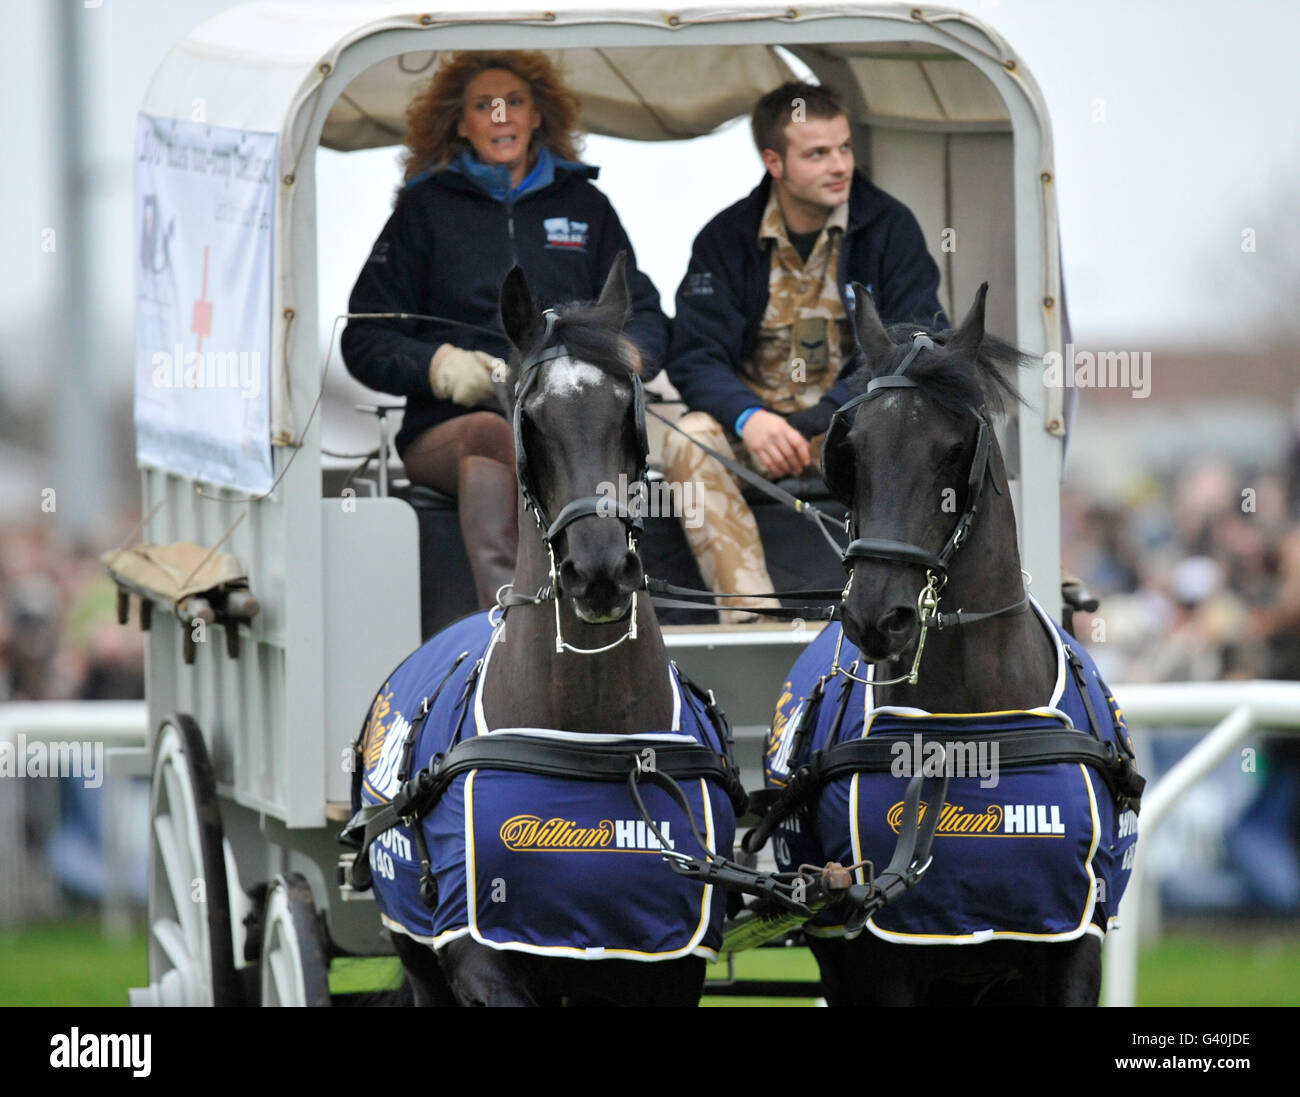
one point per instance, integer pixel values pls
(435, 112)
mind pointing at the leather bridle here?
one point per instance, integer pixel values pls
(902, 552)
(583, 507)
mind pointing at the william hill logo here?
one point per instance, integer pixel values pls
(532, 834)
(996, 820)
(954, 819)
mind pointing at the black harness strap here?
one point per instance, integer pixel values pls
(785, 613)
(359, 876)
(579, 761)
(713, 713)
(408, 748)
(900, 551)
(1081, 680)
(589, 505)
(660, 586)
(961, 617)
(770, 806)
(911, 855)
(1017, 749)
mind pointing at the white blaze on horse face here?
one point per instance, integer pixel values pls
(567, 377)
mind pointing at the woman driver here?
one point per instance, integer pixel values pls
(491, 180)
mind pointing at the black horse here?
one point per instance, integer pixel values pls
(917, 461)
(579, 650)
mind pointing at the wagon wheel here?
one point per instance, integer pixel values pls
(191, 958)
(295, 967)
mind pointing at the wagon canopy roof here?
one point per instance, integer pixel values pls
(248, 66)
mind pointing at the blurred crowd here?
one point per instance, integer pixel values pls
(59, 636)
(1198, 574)
(1199, 577)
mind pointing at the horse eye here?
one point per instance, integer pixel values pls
(953, 455)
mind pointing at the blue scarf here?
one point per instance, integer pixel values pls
(494, 179)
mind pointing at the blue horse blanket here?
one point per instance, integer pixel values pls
(1037, 853)
(546, 865)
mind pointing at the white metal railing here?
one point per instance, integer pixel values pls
(1236, 709)
(121, 726)
(113, 723)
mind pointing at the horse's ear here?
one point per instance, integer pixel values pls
(967, 338)
(615, 296)
(870, 331)
(520, 317)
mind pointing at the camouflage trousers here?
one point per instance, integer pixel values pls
(725, 544)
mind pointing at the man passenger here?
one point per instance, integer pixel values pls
(763, 328)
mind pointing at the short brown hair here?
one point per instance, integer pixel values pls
(776, 110)
(435, 112)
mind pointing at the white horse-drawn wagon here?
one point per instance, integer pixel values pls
(251, 738)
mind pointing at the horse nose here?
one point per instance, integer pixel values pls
(619, 575)
(883, 638)
(897, 622)
(573, 579)
(629, 575)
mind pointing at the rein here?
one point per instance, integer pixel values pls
(793, 502)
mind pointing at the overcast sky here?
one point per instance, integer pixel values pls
(1200, 139)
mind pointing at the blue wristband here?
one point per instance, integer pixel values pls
(744, 418)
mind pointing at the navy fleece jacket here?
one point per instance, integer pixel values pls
(452, 238)
(721, 301)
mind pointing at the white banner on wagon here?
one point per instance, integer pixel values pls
(204, 211)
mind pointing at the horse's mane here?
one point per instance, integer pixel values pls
(593, 333)
(954, 381)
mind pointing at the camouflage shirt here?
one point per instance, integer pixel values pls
(804, 323)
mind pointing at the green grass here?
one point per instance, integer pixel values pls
(1195, 970)
(71, 964)
(767, 963)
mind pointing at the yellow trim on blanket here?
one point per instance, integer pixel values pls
(1047, 713)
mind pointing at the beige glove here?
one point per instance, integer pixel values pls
(462, 376)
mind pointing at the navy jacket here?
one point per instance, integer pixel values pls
(721, 301)
(446, 250)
